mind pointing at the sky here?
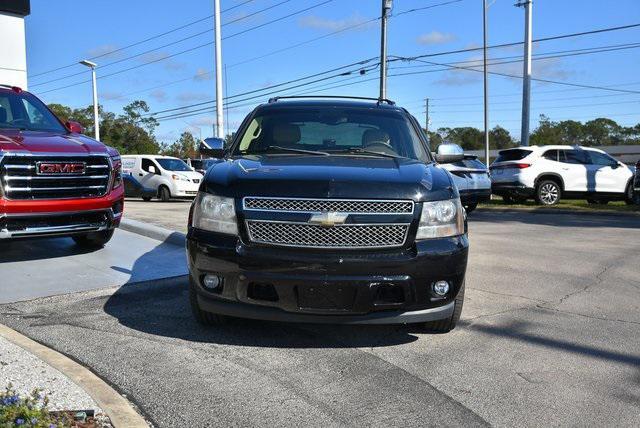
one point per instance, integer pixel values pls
(268, 42)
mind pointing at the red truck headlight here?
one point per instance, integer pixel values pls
(117, 172)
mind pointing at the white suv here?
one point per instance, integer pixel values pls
(550, 172)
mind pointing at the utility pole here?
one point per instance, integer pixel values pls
(426, 119)
(526, 73)
(486, 82)
(386, 10)
(218, 72)
(96, 117)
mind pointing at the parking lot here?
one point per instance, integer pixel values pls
(549, 336)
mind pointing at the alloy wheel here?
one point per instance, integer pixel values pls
(549, 193)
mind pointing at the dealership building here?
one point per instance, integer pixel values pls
(13, 50)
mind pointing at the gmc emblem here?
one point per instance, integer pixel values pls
(61, 168)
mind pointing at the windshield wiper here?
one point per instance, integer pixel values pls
(358, 150)
(292, 150)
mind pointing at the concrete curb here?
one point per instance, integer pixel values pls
(598, 213)
(119, 410)
(154, 232)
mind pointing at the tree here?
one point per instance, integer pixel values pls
(130, 133)
(185, 147)
(500, 138)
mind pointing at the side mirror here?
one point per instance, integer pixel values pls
(74, 127)
(614, 165)
(213, 147)
(152, 169)
(449, 158)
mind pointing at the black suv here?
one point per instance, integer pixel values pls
(330, 211)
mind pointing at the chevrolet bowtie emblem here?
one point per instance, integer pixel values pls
(328, 219)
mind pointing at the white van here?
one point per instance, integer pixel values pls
(170, 177)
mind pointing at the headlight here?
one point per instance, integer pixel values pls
(178, 177)
(117, 172)
(215, 214)
(440, 219)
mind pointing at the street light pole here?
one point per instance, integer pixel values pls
(218, 72)
(486, 82)
(386, 9)
(526, 73)
(96, 119)
(426, 119)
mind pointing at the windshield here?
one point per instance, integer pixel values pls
(330, 131)
(169, 164)
(25, 112)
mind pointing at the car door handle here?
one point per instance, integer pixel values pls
(141, 175)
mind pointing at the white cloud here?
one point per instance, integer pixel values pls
(104, 51)
(159, 95)
(435, 38)
(161, 57)
(320, 23)
(111, 95)
(203, 75)
(193, 96)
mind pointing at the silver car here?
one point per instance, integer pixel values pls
(470, 175)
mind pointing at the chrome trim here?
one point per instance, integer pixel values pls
(36, 156)
(54, 230)
(283, 198)
(44, 189)
(19, 167)
(59, 230)
(54, 177)
(404, 241)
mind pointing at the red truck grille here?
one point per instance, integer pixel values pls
(54, 177)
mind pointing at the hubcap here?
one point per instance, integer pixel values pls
(549, 194)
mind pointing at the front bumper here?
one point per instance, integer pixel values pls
(475, 196)
(49, 218)
(353, 287)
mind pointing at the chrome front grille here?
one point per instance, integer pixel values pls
(20, 180)
(353, 206)
(290, 234)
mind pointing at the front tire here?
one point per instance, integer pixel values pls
(165, 194)
(629, 199)
(548, 192)
(202, 317)
(448, 324)
(94, 240)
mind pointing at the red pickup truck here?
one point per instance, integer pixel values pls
(54, 181)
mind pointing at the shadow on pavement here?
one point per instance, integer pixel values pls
(548, 218)
(30, 250)
(161, 308)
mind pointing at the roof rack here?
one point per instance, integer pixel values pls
(378, 100)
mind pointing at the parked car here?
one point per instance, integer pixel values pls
(169, 177)
(54, 181)
(134, 189)
(549, 173)
(326, 210)
(470, 175)
(200, 165)
(636, 185)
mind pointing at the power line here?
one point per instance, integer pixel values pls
(173, 30)
(193, 48)
(543, 107)
(141, 54)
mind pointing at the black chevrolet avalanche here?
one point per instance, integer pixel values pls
(328, 211)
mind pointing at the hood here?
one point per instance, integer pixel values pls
(49, 142)
(330, 177)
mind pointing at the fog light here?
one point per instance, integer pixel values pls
(441, 288)
(211, 282)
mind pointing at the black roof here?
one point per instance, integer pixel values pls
(328, 103)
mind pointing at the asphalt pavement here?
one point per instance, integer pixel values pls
(548, 336)
(45, 267)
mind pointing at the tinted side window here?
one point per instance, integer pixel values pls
(146, 163)
(575, 157)
(600, 159)
(551, 155)
(512, 155)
